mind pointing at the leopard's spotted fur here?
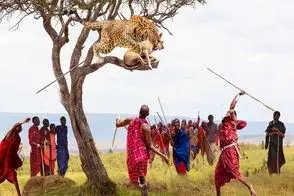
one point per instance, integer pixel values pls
(124, 33)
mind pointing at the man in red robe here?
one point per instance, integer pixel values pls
(35, 142)
(9, 159)
(163, 139)
(228, 164)
(139, 142)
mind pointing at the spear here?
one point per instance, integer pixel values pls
(240, 89)
(166, 155)
(115, 132)
(59, 77)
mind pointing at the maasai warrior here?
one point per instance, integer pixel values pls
(62, 148)
(201, 139)
(275, 133)
(138, 145)
(163, 139)
(211, 133)
(194, 140)
(181, 148)
(154, 136)
(9, 159)
(228, 164)
(50, 150)
(43, 132)
(184, 125)
(190, 125)
(35, 142)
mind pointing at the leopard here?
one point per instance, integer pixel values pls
(123, 33)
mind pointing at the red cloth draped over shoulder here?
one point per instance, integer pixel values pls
(201, 137)
(9, 160)
(228, 166)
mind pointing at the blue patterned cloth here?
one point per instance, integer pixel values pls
(181, 152)
(62, 150)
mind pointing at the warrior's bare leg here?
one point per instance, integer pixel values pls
(248, 185)
(218, 192)
(143, 186)
(16, 186)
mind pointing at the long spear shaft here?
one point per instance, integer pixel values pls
(165, 126)
(59, 77)
(115, 132)
(165, 155)
(240, 89)
(162, 109)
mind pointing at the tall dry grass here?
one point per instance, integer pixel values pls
(199, 180)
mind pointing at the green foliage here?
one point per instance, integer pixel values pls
(199, 181)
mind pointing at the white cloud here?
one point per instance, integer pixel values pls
(248, 42)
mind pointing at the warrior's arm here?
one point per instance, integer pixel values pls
(233, 104)
(147, 134)
(123, 122)
(234, 101)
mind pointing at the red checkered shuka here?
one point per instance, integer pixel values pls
(228, 166)
(136, 145)
(35, 155)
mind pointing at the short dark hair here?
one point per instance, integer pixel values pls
(210, 116)
(34, 118)
(62, 117)
(277, 113)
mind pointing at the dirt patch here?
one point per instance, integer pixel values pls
(39, 185)
(153, 187)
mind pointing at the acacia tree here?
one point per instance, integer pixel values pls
(56, 23)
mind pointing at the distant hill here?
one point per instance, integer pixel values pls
(103, 126)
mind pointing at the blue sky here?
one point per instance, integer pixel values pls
(248, 42)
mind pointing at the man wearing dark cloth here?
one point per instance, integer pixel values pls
(62, 147)
(35, 142)
(9, 159)
(275, 133)
(139, 142)
(43, 132)
(228, 166)
(181, 147)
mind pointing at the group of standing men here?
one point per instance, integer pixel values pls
(186, 138)
(197, 138)
(44, 151)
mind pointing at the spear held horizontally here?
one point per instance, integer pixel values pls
(240, 89)
(59, 77)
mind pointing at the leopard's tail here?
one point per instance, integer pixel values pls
(97, 25)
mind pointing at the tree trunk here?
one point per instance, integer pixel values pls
(90, 159)
(72, 101)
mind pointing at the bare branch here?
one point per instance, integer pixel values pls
(115, 12)
(131, 7)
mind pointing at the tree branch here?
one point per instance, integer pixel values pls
(87, 69)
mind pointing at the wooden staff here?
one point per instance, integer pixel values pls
(278, 150)
(165, 126)
(115, 132)
(59, 77)
(162, 109)
(42, 162)
(240, 89)
(166, 155)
